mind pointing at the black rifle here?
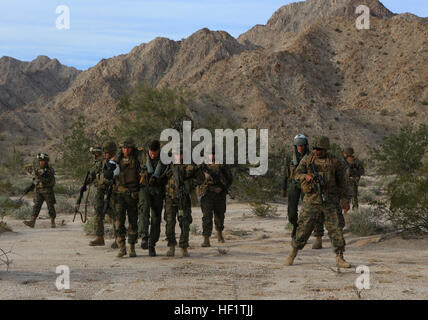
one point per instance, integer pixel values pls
(108, 197)
(319, 183)
(216, 179)
(79, 199)
(27, 190)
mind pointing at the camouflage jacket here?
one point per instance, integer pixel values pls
(96, 174)
(354, 168)
(333, 175)
(220, 179)
(153, 172)
(181, 174)
(44, 179)
(129, 176)
(289, 167)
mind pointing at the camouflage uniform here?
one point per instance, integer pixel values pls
(43, 182)
(336, 188)
(177, 175)
(213, 200)
(96, 176)
(354, 170)
(151, 196)
(126, 198)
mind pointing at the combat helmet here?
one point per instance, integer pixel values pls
(128, 142)
(42, 157)
(109, 147)
(96, 149)
(300, 140)
(321, 142)
(349, 151)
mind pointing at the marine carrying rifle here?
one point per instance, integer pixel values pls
(319, 183)
(216, 179)
(27, 190)
(79, 199)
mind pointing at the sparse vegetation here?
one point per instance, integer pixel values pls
(89, 226)
(362, 222)
(194, 230)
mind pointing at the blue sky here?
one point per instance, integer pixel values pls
(104, 28)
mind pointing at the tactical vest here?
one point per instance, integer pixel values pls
(326, 169)
(129, 173)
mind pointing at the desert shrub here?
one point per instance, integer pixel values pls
(11, 160)
(63, 205)
(363, 222)
(401, 153)
(263, 210)
(4, 227)
(194, 229)
(366, 196)
(66, 189)
(89, 226)
(22, 213)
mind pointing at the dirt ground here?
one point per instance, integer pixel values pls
(250, 265)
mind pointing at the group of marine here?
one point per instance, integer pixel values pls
(133, 182)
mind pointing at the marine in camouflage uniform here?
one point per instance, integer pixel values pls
(96, 176)
(335, 188)
(179, 177)
(43, 182)
(354, 169)
(126, 196)
(218, 179)
(151, 197)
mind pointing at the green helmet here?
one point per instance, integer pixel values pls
(321, 142)
(42, 157)
(128, 142)
(109, 147)
(96, 149)
(349, 151)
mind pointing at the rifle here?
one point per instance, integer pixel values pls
(319, 183)
(108, 197)
(216, 179)
(79, 199)
(27, 190)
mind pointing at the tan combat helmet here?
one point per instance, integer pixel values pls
(110, 147)
(321, 142)
(128, 142)
(349, 151)
(96, 149)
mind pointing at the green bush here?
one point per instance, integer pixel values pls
(366, 196)
(401, 153)
(23, 213)
(66, 189)
(362, 222)
(263, 210)
(63, 205)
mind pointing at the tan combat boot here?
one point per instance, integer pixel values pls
(30, 223)
(184, 252)
(99, 241)
(290, 259)
(122, 250)
(53, 225)
(132, 252)
(317, 243)
(206, 242)
(171, 251)
(340, 261)
(220, 237)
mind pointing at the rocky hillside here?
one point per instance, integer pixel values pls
(307, 70)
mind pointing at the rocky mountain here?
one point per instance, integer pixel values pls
(309, 70)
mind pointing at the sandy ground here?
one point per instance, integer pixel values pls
(250, 265)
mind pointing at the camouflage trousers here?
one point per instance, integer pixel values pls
(213, 205)
(185, 220)
(99, 216)
(307, 220)
(354, 188)
(319, 226)
(126, 204)
(39, 198)
(294, 194)
(150, 214)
